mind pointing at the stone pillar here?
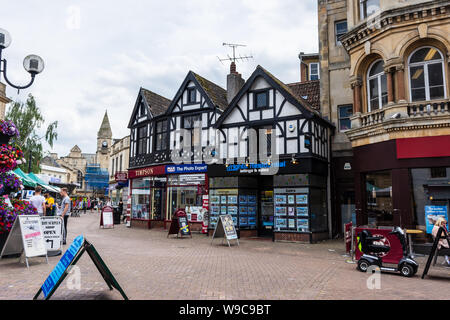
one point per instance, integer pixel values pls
(390, 85)
(400, 84)
(356, 86)
(3, 101)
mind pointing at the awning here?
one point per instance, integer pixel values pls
(26, 181)
(36, 179)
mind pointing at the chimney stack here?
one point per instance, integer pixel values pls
(234, 82)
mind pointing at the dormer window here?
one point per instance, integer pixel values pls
(192, 95)
(262, 99)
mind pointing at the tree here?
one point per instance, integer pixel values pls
(28, 118)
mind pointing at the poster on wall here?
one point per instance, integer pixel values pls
(280, 211)
(291, 223)
(302, 225)
(251, 221)
(223, 210)
(232, 210)
(242, 200)
(291, 211)
(280, 199)
(232, 199)
(251, 199)
(432, 214)
(215, 210)
(215, 199)
(302, 211)
(280, 223)
(251, 210)
(243, 210)
(291, 199)
(243, 221)
(301, 198)
(223, 199)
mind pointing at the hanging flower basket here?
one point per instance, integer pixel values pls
(9, 183)
(8, 157)
(8, 130)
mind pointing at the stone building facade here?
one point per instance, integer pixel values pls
(395, 137)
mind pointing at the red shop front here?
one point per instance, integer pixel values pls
(158, 191)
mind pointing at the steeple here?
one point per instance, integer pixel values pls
(105, 129)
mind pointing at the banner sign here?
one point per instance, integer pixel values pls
(106, 218)
(394, 255)
(52, 228)
(205, 207)
(70, 258)
(121, 176)
(186, 168)
(432, 214)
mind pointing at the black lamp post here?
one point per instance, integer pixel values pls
(32, 63)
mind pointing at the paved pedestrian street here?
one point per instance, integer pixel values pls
(148, 265)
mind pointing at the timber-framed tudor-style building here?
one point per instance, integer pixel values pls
(282, 195)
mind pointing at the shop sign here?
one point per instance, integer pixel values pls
(254, 167)
(186, 168)
(432, 214)
(145, 172)
(121, 176)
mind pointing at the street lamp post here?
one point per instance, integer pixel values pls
(32, 63)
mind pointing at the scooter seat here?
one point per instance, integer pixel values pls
(378, 248)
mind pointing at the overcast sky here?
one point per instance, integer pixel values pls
(99, 53)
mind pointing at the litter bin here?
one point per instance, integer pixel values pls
(116, 215)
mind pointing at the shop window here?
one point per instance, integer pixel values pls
(368, 7)
(426, 74)
(161, 140)
(314, 71)
(344, 113)
(186, 192)
(340, 30)
(140, 199)
(439, 172)
(379, 198)
(262, 99)
(194, 124)
(376, 86)
(319, 211)
(291, 212)
(142, 140)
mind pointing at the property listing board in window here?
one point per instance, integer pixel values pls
(241, 206)
(223, 201)
(247, 210)
(291, 209)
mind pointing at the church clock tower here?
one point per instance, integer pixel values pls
(104, 142)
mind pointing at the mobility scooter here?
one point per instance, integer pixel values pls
(407, 266)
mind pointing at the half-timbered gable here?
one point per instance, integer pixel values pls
(142, 125)
(195, 108)
(265, 103)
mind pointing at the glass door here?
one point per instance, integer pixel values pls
(265, 228)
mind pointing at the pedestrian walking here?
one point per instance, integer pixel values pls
(64, 210)
(38, 201)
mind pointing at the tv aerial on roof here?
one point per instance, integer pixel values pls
(234, 58)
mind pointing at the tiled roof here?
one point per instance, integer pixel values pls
(158, 104)
(217, 94)
(308, 90)
(304, 102)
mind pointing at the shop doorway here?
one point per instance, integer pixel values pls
(158, 199)
(265, 223)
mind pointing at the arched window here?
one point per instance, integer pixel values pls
(376, 86)
(426, 74)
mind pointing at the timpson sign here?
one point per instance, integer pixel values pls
(145, 172)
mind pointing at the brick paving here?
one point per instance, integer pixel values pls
(148, 265)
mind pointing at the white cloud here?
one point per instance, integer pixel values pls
(99, 59)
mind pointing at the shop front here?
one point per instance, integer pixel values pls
(158, 192)
(395, 181)
(290, 205)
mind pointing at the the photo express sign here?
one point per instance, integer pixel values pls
(186, 168)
